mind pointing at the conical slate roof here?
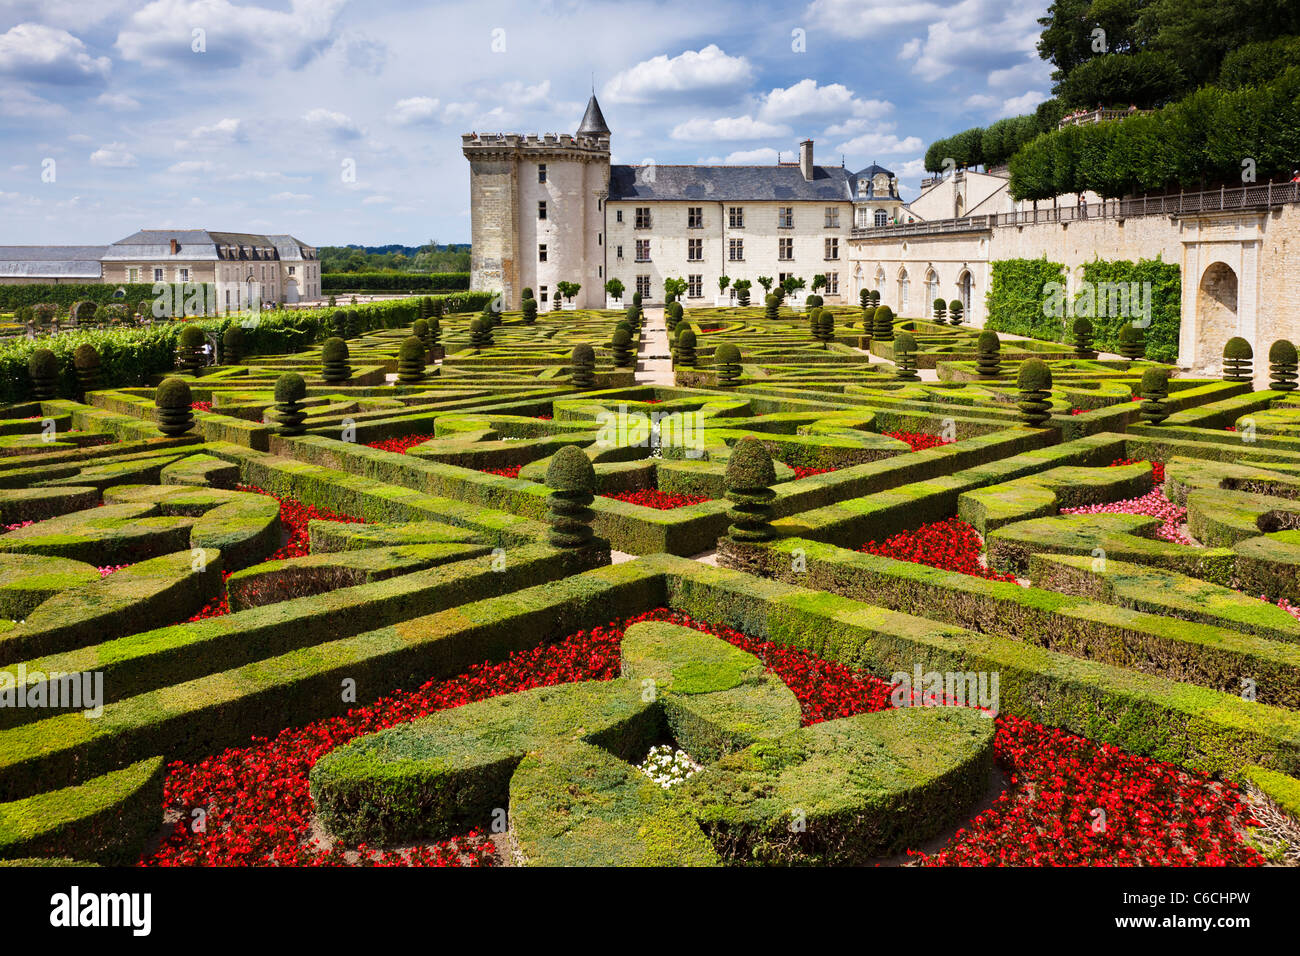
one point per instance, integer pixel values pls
(593, 123)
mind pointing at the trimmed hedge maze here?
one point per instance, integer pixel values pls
(475, 589)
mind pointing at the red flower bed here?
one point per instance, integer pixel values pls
(654, 498)
(201, 406)
(511, 472)
(543, 418)
(801, 472)
(259, 811)
(951, 545)
(399, 445)
(1157, 468)
(919, 441)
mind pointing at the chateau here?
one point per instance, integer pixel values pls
(553, 208)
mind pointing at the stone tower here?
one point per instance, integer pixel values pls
(537, 211)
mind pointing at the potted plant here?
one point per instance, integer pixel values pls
(614, 289)
(723, 298)
(794, 294)
(567, 290)
(741, 288)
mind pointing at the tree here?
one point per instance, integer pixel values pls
(615, 288)
(818, 282)
(792, 284)
(1145, 79)
(766, 283)
(675, 287)
(568, 289)
(723, 282)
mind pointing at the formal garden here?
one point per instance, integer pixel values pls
(423, 583)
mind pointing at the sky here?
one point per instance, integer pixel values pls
(339, 121)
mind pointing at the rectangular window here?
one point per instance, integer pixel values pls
(618, 252)
(182, 275)
(541, 252)
(782, 276)
(291, 269)
(736, 216)
(600, 272)
(695, 217)
(643, 217)
(543, 291)
(600, 238)
(695, 286)
(541, 172)
(157, 275)
(785, 217)
(643, 250)
(541, 209)
(832, 247)
(643, 286)
(694, 250)
(618, 215)
(832, 283)
(832, 217)
(132, 275)
(736, 250)
(785, 249)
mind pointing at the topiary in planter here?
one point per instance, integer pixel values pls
(189, 349)
(988, 356)
(905, 357)
(290, 390)
(173, 400)
(530, 311)
(727, 359)
(1035, 383)
(1154, 391)
(620, 345)
(882, 325)
(1083, 338)
(1282, 365)
(572, 481)
(339, 323)
(1132, 342)
(43, 370)
(686, 348)
(771, 306)
(956, 311)
(749, 479)
(940, 310)
(334, 360)
(1237, 354)
(584, 366)
(826, 327)
(86, 361)
(410, 362)
(232, 345)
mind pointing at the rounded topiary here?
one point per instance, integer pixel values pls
(527, 293)
(232, 344)
(435, 333)
(813, 301)
(882, 325)
(727, 359)
(530, 310)
(1282, 366)
(290, 390)
(940, 310)
(1035, 383)
(584, 366)
(988, 354)
(420, 329)
(632, 317)
(771, 306)
(410, 361)
(1082, 329)
(175, 407)
(1237, 355)
(477, 335)
(189, 348)
(955, 311)
(686, 348)
(1154, 391)
(87, 363)
(43, 369)
(826, 326)
(749, 478)
(905, 357)
(673, 314)
(426, 307)
(621, 346)
(1132, 342)
(636, 299)
(334, 360)
(814, 321)
(572, 481)
(356, 323)
(339, 323)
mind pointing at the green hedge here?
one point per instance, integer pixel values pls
(394, 281)
(13, 296)
(1165, 279)
(1018, 290)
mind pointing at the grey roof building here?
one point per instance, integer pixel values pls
(63, 263)
(729, 183)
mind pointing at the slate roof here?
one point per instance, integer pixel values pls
(593, 121)
(729, 183)
(197, 244)
(51, 262)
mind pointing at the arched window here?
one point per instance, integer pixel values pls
(882, 218)
(903, 284)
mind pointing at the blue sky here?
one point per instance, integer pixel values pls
(339, 120)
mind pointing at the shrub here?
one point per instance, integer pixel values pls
(1132, 342)
(905, 357)
(826, 326)
(1282, 367)
(1082, 329)
(1035, 384)
(1154, 389)
(955, 311)
(290, 390)
(1017, 298)
(620, 346)
(334, 360)
(572, 481)
(394, 281)
(727, 359)
(988, 360)
(530, 310)
(410, 361)
(749, 478)
(232, 344)
(584, 367)
(882, 328)
(173, 400)
(686, 348)
(1237, 355)
(189, 348)
(940, 310)
(43, 369)
(87, 362)
(771, 305)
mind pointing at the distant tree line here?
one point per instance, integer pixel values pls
(430, 257)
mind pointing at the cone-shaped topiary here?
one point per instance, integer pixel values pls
(1083, 338)
(584, 366)
(530, 311)
(883, 324)
(43, 369)
(940, 310)
(632, 317)
(771, 306)
(86, 361)
(726, 357)
(189, 349)
(1035, 384)
(1237, 354)
(1132, 342)
(1154, 390)
(620, 345)
(686, 348)
(290, 390)
(572, 481)
(955, 311)
(1282, 365)
(334, 360)
(410, 361)
(673, 314)
(905, 357)
(636, 299)
(749, 479)
(826, 326)
(988, 355)
(175, 414)
(232, 345)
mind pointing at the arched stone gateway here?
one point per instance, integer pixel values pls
(1216, 312)
(963, 290)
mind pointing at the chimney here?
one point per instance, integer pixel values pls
(176, 247)
(806, 159)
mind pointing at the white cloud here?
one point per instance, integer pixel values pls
(375, 201)
(806, 98)
(861, 18)
(224, 132)
(1025, 103)
(910, 49)
(518, 94)
(975, 33)
(750, 157)
(291, 197)
(726, 128)
(32, 51)
(413, 110)
(16, 101)
(191, 167)
(709, 69)
(113, 156)
(339, 125)
(363, 53)
(117, 101)
(870, 145)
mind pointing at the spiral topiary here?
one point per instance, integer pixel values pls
(620, 345)
(410, 361)
(1237, 354)
(435, 333)
(43, 369)
(686, 348)
(814, 322)
(290, 390)
(749, 478)
(87, 363)
(174, 403)
(1035, 383)
(632, 317)
(420, 329)
(477, 335)
(673, 313)
(882, 325)
(572, 481)
(189, 349)
(530, 310)
(726, 357)
(339, 323)
(1282, 366)
(1154, 390)
(334, 360)
(988, 354)
(955, 311)
(426, 307)
(356, 323)
(771, 306)
(1132, 342)
(232, 345)
(826, 327)
(940, 310)
(1083, 338)
(905, 357)
(584, 366)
